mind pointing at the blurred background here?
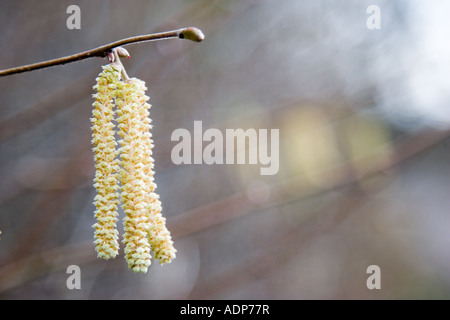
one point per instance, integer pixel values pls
(364, 174)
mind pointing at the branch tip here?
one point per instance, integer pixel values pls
(193, 34)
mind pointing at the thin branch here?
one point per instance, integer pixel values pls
(191, 33)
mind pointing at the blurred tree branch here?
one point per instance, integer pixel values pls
(196, 220)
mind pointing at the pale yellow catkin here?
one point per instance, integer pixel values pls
(134, 190)
(159, 236)
(106, 181)
(145, 227)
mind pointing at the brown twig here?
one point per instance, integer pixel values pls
(191, 33)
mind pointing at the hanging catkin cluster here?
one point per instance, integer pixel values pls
(127, 169)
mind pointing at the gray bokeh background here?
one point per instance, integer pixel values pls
(364, 175)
